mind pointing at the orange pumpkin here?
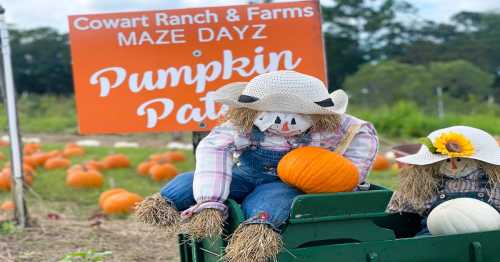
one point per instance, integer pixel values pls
(2, 156)
(143, 168)
(158, 157)
(31, 148)
(54, 153)
(104, 195)
(7, 206)
(73, 151)
(381, 163)
(120, 203)
(27, 169)
(318, 170)
(5, 179)
(3, 143)
(4, 182)
(162, 171)
(94, 164)
(56, 163)
(84, 178)
(175, 156)
(116, 161)
(39, 158)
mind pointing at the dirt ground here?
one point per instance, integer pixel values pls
(51, 239)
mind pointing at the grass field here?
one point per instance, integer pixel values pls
(49, 186)
(77, 231)
(57, 114)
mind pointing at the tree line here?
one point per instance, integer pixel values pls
(383, 52)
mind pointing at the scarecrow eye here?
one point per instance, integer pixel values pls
(293, 121)
(448, 160)
(458, 159)
(278, 120)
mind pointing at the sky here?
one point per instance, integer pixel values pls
(34, 13)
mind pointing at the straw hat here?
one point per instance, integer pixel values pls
(456, 141)
(283, 91)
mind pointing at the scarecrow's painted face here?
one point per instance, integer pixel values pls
(287, 124)
(458, 167)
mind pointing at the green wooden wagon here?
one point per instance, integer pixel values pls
(352, 227)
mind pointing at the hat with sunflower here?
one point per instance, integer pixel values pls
(456, 141)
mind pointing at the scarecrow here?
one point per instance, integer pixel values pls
(268, 117)
(455, 166)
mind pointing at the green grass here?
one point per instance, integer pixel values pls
(49, 186)
(57, 114)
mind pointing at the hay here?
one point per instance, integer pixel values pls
(328, 123)
(493, 173)
(157, 211)
(253, 243)
(241, 117)
(418, 184)
(207, 223)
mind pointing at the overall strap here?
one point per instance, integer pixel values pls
(484, 181)
(256, 136)
(346, 141)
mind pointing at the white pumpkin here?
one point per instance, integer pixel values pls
(463, 215)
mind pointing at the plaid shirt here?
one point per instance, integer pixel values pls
(470, 183)
(214, 156)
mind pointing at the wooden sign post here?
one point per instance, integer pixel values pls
(9, 93)
(155, 71)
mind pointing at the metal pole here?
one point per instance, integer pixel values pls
(440, 104)
(15, 144)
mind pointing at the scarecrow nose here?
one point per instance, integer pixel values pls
(453, 164)
(285, 127)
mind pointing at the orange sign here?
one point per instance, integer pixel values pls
(155, 71)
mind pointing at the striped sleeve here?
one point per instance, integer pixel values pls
(214, 163)
(363, 149)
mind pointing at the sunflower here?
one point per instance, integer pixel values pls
(454, 145)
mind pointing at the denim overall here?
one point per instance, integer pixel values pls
(445, 196)
(264, 198)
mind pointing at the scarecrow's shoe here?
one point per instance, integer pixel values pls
(253, 243)
(157, 211)
(207, 223)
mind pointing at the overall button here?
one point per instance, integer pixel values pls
(480, 194)
(269, 168)
(442, 196)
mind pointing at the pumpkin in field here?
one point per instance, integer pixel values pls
(5, 179)
(175, 156)
(120, 203)
(2, 156)
(73, 150)
(38, 158)
(104, 195)
(27, 169)
(162, 171)
(4, 182)
(463, 215)
(56, 163)
(318, 170)
(381, 163)
(116, 161)
(143, 168)
(31, 148)
(84, 178)
(94, 164)
(7, 206)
